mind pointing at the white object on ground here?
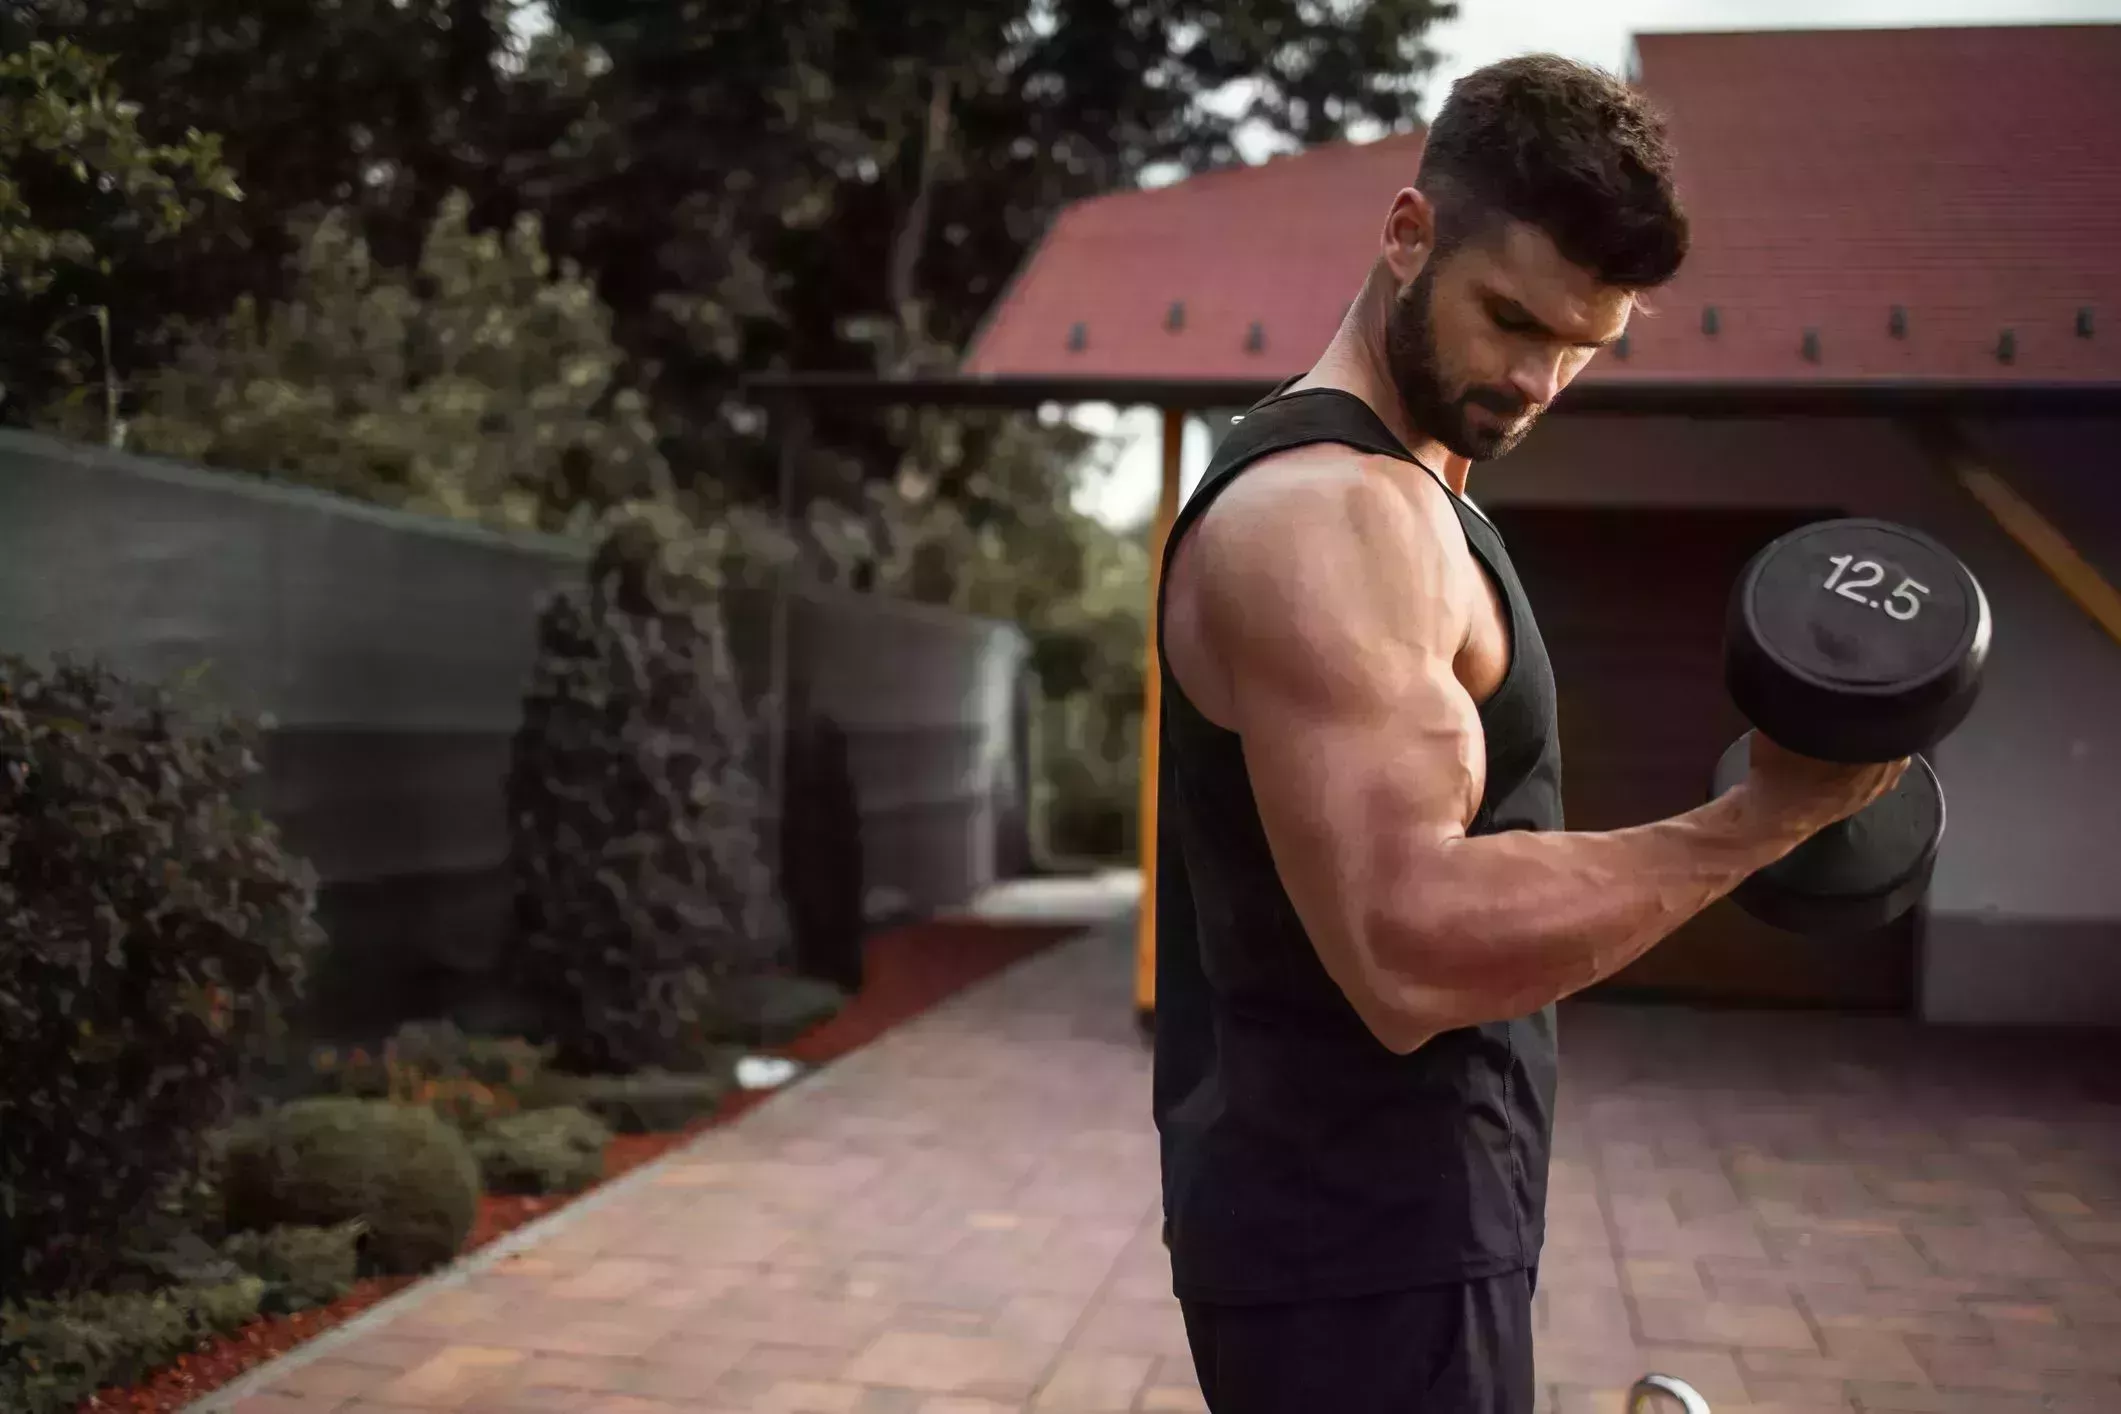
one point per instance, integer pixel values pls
(765, 1072)
(1084, 900)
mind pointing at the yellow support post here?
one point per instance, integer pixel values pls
(1145, 923)
(2050, 549)
(1953, 453)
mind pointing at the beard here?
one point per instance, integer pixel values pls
(1417, 374)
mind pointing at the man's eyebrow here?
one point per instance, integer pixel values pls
(1517, 311)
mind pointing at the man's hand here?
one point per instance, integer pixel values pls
(1808, 795)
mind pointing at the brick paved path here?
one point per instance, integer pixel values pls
(1795, 1214)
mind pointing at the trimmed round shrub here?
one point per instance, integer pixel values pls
(406, 1175)
(152, 932)
(635, 814)
(544, 1151)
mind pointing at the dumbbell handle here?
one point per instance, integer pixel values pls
(1688, 1397)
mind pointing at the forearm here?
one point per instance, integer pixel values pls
(1496, 926)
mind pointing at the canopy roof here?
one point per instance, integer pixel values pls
(1893, 212)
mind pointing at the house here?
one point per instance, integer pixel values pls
(1904, 301)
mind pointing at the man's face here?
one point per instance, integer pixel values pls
(1484, 338)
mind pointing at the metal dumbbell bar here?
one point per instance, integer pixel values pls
(1662, 1394)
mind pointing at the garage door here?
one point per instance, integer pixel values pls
(1631, 603)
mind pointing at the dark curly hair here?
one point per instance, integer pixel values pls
(1564, 147)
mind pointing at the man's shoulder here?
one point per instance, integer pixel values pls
(1317, 504)
(1331, 570)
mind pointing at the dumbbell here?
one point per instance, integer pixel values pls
(1853, 641)
(1665, 1392)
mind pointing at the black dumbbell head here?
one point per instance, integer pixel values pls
(1854, 876)
(1856, 640)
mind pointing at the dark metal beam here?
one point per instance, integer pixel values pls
(1851, 398)
(1636, 396)
(954, 390)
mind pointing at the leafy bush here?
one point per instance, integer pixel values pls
(509, 1062)
(640, 886)
(468, 1080)
(823, 878)
(1089, 779)
(544, 1151)
(151, 933)
(300, 1267)
(650, 1102)
(54, 1354)
(978, 517)
(406, 1175)
(172, 1243)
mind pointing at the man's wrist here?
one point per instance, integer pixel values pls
(1755, 828)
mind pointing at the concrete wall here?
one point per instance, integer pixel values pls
(2023, 923)
(391, 652)
(937, 744)
(388, 651)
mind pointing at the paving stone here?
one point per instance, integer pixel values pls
(1792, 1212)
(1086, 1382)
(287, 1402)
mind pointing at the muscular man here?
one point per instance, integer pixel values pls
(1366, 900)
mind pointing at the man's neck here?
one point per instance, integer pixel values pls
(1355, 362)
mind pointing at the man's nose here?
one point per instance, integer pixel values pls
(1537, 377)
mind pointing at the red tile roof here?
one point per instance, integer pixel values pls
(1971, 177)
(1284, 244)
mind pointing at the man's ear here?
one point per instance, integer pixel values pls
(1409, 236)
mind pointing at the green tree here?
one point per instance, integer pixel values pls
(839, 185)
(377, 107)
(855, 182)
(483, 384)
(640, 885)
(79, 180)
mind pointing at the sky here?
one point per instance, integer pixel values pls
(1594, 31)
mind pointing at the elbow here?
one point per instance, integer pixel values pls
(1403, 1006)
(1418, 1015)
(1402, 1028)
(1405, 1036)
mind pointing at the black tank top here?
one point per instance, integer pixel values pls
(1301, 1158)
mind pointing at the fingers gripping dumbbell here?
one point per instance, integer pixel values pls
(1854, 641)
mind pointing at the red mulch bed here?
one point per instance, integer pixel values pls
(907, 971)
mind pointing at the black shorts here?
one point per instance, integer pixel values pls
(1459, 1349)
